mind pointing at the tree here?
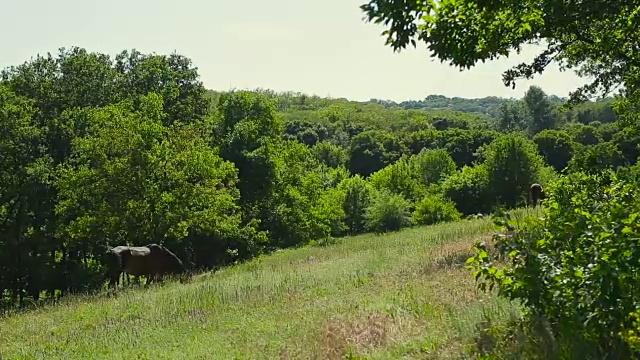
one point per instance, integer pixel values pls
(402, 177)
(463, 145)
(373, 150)
(597, 37)
(598, 157)
(513, 164)
(24, 173)
(358, 194)
(540, 110)
(556, 146)
(245, 125)
(513, 116)
(433, 166)
(131, 180)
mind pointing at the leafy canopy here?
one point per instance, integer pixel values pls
(597, 37)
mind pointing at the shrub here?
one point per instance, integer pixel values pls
(468, 189)
(387, 212)
(433, 209)
(433, 166)
(577, 266)
(513, 164)
(357, 197)
(400, 178)
(599, 157)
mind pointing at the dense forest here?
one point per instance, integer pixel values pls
(100, 151)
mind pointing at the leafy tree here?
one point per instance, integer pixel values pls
(589, 112)
(584, 134)
(463, 145)
(469, 190)
(289, 212)
(556, 146)
(246, 123)
(433, 166)
(424, 139)
(433, 209)
(402, 178)
(373, 150)
(387, 212)
(357, 198)
(24, 173)
(608, 130)
(173, 77)
(77, 78)
(513, 164)
(628, 141)
(513, 116)
(330, 154)
(598, 38)
(131, 180)
(594, 159)
(540, 110)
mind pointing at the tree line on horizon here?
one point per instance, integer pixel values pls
(97, 152)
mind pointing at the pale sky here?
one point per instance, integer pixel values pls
(315, 47)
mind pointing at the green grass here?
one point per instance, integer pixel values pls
(401, 295)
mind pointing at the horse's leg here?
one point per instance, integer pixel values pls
(113, 278)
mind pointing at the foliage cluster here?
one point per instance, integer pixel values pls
(577, 266)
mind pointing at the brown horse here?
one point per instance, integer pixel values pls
(114, 265)
(537, 193)
(152, 261)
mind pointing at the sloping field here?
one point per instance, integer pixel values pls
(404, 295)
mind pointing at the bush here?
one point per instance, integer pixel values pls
(577, 266)
(433, 166)
(556, 146)
(357, 198)
(468, 189)
(599, 157)
(387, 212)
(433, 209)
(400, 178)
(513, 164)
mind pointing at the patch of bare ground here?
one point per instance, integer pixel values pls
(371, 331)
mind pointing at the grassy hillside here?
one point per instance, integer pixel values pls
(400, 295)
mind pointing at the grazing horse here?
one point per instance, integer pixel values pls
(537, 193)
(114, 265)
(152, 260)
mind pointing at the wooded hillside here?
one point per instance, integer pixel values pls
(100, 151)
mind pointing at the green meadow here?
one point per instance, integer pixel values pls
(401, 295)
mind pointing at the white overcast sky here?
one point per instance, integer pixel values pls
(316, 47)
